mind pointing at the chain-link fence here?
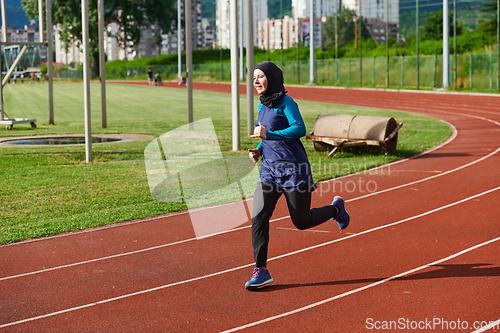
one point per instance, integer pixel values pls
(473, 71)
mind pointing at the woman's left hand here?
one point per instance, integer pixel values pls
(259, 132)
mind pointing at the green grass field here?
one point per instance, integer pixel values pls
(50, 190)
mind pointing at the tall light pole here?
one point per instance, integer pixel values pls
(446, 46)
(4, 40)
(189, 61)
(235, 84)
(312, 78)
(418, 56)
(179, 41)
(337, 42)
(298, 48)
(360, 20)
(86, 78)
(455, 44)
(50, 48)
(250, 59)
(241, 40)
(281, 33)
(387, 44)
(102, 67)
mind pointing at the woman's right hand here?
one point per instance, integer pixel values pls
(254, 155)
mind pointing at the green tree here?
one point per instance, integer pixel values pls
(433, 27)
(345, 29)
(275, 6)
(131, 15)
(490, 26)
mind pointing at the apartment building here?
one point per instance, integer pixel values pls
(34, 55)
(377, 27)
(223, 24)
(375, 12)
(203, 32)
(272, 34)
(323, 8)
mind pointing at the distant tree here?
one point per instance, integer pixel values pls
(491, 5)
(433, 27)
(275, 6)
(345, 26)
(407, 24)
(490, 26)
(209, 7)
(131, 15)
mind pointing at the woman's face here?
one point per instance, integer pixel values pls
(259, 81)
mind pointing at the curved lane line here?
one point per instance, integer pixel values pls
(313, 305)
(453, 136)
(275, 258)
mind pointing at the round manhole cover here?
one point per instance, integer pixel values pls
(52, 140)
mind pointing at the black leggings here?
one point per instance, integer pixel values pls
(299, 206)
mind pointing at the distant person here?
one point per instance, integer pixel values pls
(14, 79)
(32, 77)
(38, 77)
(184, 79)
(150, 77)
(22, 78)
(158, 81)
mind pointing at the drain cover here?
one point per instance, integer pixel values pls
(60, 140)
(73, 139)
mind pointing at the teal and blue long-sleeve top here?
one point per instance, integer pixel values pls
(284, 159)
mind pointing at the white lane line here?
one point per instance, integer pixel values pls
(310, 306)
(123, 296)
(148, 219)
(428, 178)
(127, 254)
(247, 265)
(494, 324)
(245, 227)
(453, 136)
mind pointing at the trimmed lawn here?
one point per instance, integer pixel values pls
(51, 190)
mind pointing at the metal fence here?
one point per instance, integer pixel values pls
(474, 71)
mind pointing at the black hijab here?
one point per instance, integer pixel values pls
(275, 88)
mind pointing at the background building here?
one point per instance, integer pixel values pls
(377, 28)
(34, 55)
(74, 54)
(200, 31)
(223, 26)
(290, 30)
(322, 8)
(375, 11)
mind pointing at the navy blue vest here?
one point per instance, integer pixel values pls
(284, 162)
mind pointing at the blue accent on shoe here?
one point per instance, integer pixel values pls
(260, 278)
(342, 217)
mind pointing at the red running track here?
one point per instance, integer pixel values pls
(422, 252)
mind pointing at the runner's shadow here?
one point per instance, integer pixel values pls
(441, 271)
